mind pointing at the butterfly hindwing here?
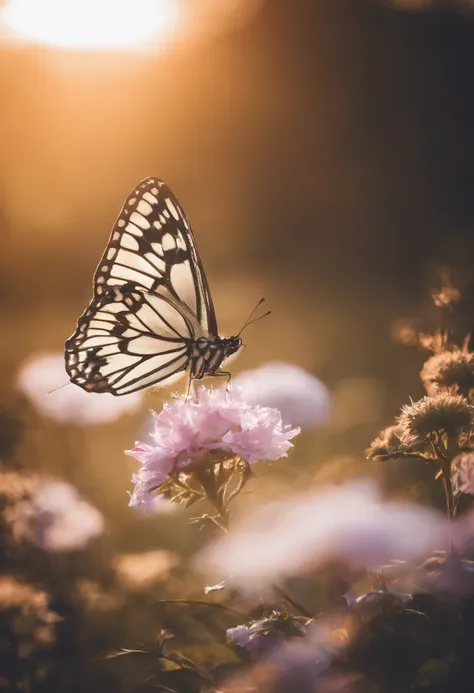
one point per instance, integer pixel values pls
(128, 339)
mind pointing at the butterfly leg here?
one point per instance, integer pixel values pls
(224, 374)
(188, 392)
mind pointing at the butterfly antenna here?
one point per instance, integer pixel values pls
(58, 388)
(249, 320)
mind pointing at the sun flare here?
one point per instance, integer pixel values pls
(93, 24)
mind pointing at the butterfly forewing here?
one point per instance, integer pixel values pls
(151, 299)
(152, 245)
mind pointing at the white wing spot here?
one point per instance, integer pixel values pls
(157, 262)
(134, 230)
(158, 249)
(180, 242)
(139, 220)
(100, 280)
(154, 191)
(172, 208)
(168, 242)
(129, 242)
(115, 235)
(110, 253)
(104, 268)
(166, 214)
(157, 225)
(150, 198)
(144, 207)
(132, 200)
(121, 222)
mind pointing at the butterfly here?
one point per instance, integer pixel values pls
(152, 316)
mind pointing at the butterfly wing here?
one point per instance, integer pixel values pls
(151, 299)
(128, 339)
(152, 245)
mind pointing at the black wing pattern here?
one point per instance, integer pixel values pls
(151, 299)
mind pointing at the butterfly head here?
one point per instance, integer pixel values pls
(231, 345)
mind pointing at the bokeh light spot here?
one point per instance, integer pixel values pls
(93, 24)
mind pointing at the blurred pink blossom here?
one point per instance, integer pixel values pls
(184, 432)
(55, 518)
(69, 404)
(301, 398)
(350, 524)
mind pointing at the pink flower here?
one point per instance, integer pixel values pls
(184, 432)
(301, 398)
(55, 518)
(350, 524)
(260, 436)
(69, 404)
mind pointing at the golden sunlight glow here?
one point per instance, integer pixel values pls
(93, 24)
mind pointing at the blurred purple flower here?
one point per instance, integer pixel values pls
(350, 524)
(298, 664)
(55, 518)
(251, 638)
(289, 666)
(186, 432)
(301, 398)
(69, 404)
(263, 635)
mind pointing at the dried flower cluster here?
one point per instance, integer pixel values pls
(33, 622)
(387, 444)
(443, 413)
(449, 369)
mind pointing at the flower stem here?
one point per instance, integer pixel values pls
(207, 480)
(197, 602)
(448, 492)
(291, 601)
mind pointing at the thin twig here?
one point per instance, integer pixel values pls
(299, 607)
(198, 602)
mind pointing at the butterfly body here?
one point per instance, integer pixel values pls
(151, 317)
(207, 354)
